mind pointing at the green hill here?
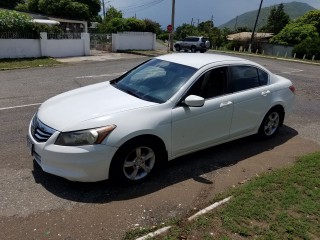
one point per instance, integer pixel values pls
(293, 9)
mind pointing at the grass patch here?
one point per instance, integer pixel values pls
(8, 64)
(284, 204)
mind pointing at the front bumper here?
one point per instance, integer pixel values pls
(89, 163)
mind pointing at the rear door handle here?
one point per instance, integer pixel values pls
(225, 104)
(265, 93)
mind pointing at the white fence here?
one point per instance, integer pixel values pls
(133, 41)
(44, 47)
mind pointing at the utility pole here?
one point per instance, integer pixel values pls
(103, 9)
(172, 24)
(255, 25)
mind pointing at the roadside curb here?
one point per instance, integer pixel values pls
(201, 212)
(266, 56)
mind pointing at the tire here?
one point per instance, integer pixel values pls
(193, 49)
(186, 50)
(136, 161)
(178, 48)
(271, 123)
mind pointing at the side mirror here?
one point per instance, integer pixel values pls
(194, 101)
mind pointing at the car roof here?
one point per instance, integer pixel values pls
(199, 60)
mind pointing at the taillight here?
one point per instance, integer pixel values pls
(292, 88)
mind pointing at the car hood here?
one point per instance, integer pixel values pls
(87, 107)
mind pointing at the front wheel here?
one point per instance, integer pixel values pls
(136, 161)
(271, 123)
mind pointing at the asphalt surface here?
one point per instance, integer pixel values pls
(36, 205)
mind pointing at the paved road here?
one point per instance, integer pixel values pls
(36, 205)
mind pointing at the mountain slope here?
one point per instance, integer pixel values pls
(293, 9)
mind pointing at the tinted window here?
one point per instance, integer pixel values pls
(194, 39)
(243, 77)
(263, 77)
(211, 84)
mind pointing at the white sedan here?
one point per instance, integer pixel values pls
(169, 106)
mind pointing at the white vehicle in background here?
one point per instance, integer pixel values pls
(167, 107)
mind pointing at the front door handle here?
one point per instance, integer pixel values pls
(225, 104)
(265, 93)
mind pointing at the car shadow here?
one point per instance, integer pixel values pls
(191, 166)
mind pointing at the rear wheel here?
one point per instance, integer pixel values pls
(271, 123)
(136, 161)
(193, 49)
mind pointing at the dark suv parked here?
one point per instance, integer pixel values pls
(193, 44)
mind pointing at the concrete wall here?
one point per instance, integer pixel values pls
(133, 41)
(44, 47)
(19, 48)
(277, 50)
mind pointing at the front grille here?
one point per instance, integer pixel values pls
(40, 131)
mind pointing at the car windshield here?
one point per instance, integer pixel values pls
(155, 81)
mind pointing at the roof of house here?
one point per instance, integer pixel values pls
(245, 36)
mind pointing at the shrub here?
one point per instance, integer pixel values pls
(12, 21)
(308, 47)
(136, 25)
(163, 36)
(15, 22)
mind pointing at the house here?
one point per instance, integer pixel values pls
(67, 25)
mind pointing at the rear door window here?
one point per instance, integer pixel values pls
(243, 78)
(263, 77)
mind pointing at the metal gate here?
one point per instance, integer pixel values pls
(100, 43)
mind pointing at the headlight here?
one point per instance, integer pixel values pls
(84, 137)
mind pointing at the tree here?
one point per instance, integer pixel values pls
(243, 29)
(77, 9)
(308, 48)
(15, 22)
(115, 25)
(205, 27)
(152, 26)
(312, 17)
(185, 30)
(306, 27)
(112, 13)
(136, 25)
(277, 19)
(94, 7)
(11, 4)
(12, 21)
(295, 33)
(30, 5)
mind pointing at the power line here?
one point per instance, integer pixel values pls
(139, 7)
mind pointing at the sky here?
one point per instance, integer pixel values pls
(187, 11)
